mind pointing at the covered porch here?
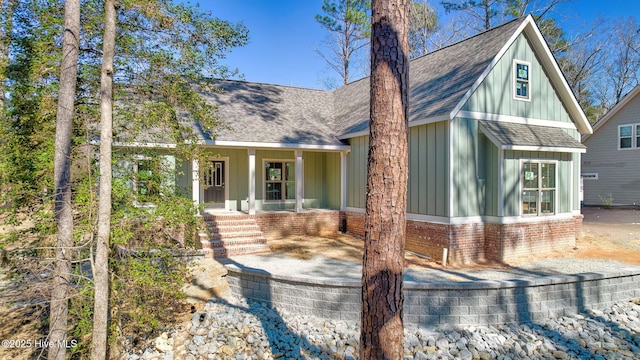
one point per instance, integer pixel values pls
(272, 177)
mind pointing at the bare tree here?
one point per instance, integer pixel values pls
(481, 12)
(62, 160)
(423, 21)
(381, 334)
(101, 266)
(346, 21)
(623, 68)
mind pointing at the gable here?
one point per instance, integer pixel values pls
(626, 111)
(495, 95)
(605, 131)
(438, 81)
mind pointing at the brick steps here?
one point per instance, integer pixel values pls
(229, 235)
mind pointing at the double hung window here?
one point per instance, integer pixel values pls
(280, 182)
(148, 176)
(521, 80)
(629, 136)
(538, 188)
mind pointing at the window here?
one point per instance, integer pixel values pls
(148, 177)
(280, 182)
(629, 136)
(521, 80)
(538, 188)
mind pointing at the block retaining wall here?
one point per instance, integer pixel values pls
(430, 304)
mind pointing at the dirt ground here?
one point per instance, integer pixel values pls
(607, 234)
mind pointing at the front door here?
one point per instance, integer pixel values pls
(214, 194)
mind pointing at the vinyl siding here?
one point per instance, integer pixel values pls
(428, 169)
(357, 172)
(618, 170)
(491, 177)
(237, 171)
(428, 186)
(321, 180)
(466, 180)
(331, 181)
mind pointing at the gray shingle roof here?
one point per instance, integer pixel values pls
(438, 80)
(273, 113)
(281, 114)
(508, 135)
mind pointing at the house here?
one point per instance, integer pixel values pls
(611, 167)
(494, 152)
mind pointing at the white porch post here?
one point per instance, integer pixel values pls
(298, 181)
(252, 181)
(195, 181)
(343, 181)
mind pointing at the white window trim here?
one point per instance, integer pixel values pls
(555, 189)
(264, 181)
(634, 137)
(515, 80)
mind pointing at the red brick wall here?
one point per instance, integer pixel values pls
(279, 224)
(473, 243)
(518, 240)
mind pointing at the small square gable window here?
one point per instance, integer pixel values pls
(521, 78)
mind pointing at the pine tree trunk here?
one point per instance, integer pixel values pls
(381, 334)
(101, 268)
(62, 158)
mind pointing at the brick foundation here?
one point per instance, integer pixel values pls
(280, 224)
(478, 242)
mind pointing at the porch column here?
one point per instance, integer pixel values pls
(252, 181)
(298, 181)
(195, 181)
(343, 181)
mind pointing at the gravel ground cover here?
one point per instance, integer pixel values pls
(241, 331)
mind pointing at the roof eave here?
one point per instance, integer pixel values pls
(620, 105)
(557, 77)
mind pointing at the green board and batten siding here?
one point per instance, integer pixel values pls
(428, 188)
(237, 172)
(476, 160)
(495, 93)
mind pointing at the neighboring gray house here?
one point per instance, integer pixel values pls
(611, 166)
(494, 152)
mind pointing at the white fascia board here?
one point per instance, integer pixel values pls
(268, 145)
(557, 77)
(543, 148)
(425, 121)
(475, 115)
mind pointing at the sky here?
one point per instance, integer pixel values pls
(284, 35)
